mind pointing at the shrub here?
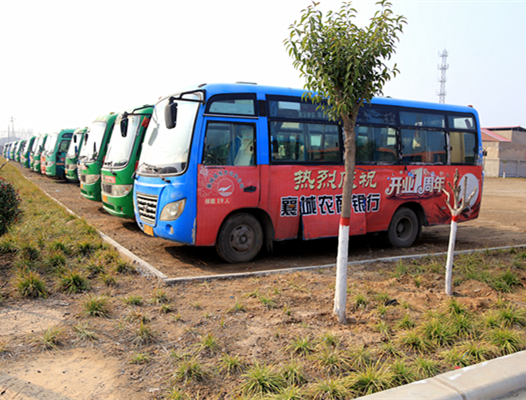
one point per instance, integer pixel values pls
(9, 205)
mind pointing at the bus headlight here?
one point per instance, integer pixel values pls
(121, 190)
(172, 211)
(90, 179)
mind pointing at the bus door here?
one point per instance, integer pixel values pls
(228, 176)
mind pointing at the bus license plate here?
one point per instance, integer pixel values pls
(148, 230)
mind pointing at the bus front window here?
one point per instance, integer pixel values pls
(166, 151)
(120, 148)
(95, 136)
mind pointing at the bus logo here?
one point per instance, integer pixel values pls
(226, 187)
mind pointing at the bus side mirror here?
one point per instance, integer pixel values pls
(170, 114)
(86, 138)
(74, 138)
(124, 124)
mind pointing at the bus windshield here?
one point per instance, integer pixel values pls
(91, 148)
(36, 143)
(166, 151)
(120, 148)
(51, 142)
(74, 145)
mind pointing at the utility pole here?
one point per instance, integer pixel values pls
(442, 68)
(13, 126)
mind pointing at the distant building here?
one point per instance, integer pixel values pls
(505, 149)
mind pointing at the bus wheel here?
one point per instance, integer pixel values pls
(404, 228)
(240, 238)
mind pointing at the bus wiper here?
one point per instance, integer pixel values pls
(155, 170)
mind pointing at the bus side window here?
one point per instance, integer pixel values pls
(463, 147)
(424, 146)
(229, 144)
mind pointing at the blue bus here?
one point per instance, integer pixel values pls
(239, 166)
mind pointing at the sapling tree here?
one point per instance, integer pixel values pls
(344, 66)
(458, 206)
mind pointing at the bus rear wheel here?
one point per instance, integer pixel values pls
(404, 228)
(240, 238)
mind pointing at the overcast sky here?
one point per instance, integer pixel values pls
(66, 62)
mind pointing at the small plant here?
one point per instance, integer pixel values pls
(85, 332)
(402, 373)
(360, 300)
(415, 341)
(456, 357)
(454, 307)
(139, 358)
(209, 342)
(389, 349)
(360, 357)
(382, 327)
(463, 326)
(374, 378)
(159, 296)
(73, 282)
(332, 361)
(30, 284)
(510, 316)
(143, 334)
(133, 300)
(137, 316)
(261, 379)
(190, 370)
(165, 308)
(108, 279)
(437, 331)
(406, 322)
(51, 337)
(122, 267)
(331, 389)
(96, 305)
(293, 372)
(301, 345)
(267, 302)
(505, 340)
(400, 269)
(9, 206)
(427, 367)
(477, 351)
(329, 339)
(232, 364)
(238, 307)
(505, 281)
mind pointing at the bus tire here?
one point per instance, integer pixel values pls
(404, 228)
(240, 238)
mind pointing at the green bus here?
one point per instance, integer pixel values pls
(41, 141)
(92, 154)
(121, 160)
(19, 148)
(12, 150)
(54, 154)
(25, 154)
(73, 153)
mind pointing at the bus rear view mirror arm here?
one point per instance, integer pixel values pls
(170, 114)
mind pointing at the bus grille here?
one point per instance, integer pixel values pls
(147, 206)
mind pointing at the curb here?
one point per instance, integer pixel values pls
(492, 379)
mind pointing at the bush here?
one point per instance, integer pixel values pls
(9, 205)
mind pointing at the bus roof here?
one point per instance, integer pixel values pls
(219, 88)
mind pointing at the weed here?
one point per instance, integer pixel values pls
(402, 373)
(389, 349)
(96, 305)
(406, 322)
(73, 282)
(456, 357)
(159, 296)
(51, 337)
(209, 342)
(108, 279)
(427, 367)
(415, 341)
(329, 339)
(360, 300)
(454, 307)
(261, 379)
(267, 302)
(232, 364)
(360, 357)
(510, 316)
(85, 332)
(30, 284)
(122, 267)
(400, 269)
(195, 305)
(381, 297)
(478, 351)
(94, 269)
(165, 308)
(382, 327)
(505, 340)
(505, 281)
(417, 280)
(301, 345)
(134, 300)
(139, 358)
(463, 325)
(286, 310)
(238, 307)
(137, 316)
(332, 361)
(293, 372)
(437, 331)
(331, 389)
(143, 334)
(374, 378)
(177, 318)
(190, 370)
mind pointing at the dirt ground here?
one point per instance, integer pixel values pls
(102, 369)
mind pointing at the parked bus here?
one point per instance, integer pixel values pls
(54, 154)
(5, 151)
(19, 150)
(92, 156)
(72, 155)
(240, 166)
(121, 161)
(25, 159)
(37, 152)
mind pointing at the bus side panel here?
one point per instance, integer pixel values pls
(220, 191)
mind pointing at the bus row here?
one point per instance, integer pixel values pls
(240, 166)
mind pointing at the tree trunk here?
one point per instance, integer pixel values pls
(340, 295)
(450, 255)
